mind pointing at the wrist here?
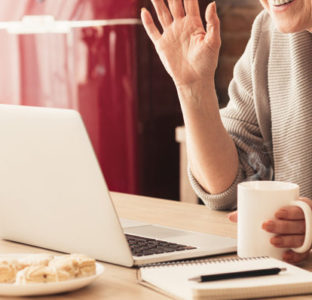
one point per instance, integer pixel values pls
(196, 86)
(198, 95)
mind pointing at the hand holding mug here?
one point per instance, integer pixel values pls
(289, 229)
(271, 221)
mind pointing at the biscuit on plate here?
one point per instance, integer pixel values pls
(86, 264)
(36, 274)
(8, 270)
(40, 259)
(65, 266)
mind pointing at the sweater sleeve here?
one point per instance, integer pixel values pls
(239, 118)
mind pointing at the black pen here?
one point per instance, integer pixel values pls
(241, 274)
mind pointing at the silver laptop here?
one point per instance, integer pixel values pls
(53, 195)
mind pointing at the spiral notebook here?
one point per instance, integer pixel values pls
(172, 279)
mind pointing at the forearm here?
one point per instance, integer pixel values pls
(211, 151)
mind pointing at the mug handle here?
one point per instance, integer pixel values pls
(308, 223)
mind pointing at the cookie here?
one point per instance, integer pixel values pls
(34, 260)
(36, 274)
(8, 270)
(86, 264)
(65, 266)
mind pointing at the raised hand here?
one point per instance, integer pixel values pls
(188, 51)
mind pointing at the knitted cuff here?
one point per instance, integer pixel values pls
(223, 201)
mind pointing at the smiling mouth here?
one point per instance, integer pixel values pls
(281, 2)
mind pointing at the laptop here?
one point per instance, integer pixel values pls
(53, 195)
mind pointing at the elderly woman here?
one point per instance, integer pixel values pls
(265, 131)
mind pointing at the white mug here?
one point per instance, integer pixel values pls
(258, 201)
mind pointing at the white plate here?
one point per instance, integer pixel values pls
(36, 289)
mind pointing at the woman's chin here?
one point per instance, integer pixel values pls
(286, 28)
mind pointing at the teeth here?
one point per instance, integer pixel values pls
(280, 2)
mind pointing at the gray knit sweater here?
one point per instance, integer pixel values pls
(269, 115)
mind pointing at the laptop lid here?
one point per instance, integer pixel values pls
(52, 191)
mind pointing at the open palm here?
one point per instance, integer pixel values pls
(188, 51)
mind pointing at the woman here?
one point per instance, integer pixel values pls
(264, 132)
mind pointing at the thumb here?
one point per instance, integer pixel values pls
(212, 37)
(233, 216)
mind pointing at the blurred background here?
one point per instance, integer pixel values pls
(94, 56)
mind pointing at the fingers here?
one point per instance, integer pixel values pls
(191, 7)
(149, 25)
(212, 26)
(211, 16)
(287, 241)
(176, 8)
(233, 216)
(284, 226)
(290, 213)
(163, 13)
(289, 227)
(293, 257)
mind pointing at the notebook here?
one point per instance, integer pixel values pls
(173, 279)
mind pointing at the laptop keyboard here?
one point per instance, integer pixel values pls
(145, 246)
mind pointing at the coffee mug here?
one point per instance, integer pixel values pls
(258, 201)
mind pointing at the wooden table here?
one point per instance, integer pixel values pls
(121, 283)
